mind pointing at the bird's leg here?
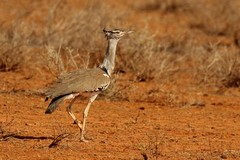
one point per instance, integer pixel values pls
(85, 114)
(69, 110)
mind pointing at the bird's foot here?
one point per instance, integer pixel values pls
(84, 140)
(82, 137)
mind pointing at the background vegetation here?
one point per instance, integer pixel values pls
(63, 39)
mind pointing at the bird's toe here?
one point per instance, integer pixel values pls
(84, 140)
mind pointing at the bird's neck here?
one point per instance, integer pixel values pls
(109, 59)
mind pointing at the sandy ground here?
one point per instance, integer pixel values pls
(206, 129)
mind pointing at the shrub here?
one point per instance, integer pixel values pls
(219, 65)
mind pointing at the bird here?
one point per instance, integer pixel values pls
(88, 80)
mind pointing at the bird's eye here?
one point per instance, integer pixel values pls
(116, 31)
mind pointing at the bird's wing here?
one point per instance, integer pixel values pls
(84, 80)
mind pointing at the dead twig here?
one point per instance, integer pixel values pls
(58, 139)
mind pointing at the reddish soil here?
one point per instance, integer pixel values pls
(118, 129)
(155, 121)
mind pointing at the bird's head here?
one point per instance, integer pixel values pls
(116, 33)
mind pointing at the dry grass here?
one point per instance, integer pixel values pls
(147, 58)
(13, 51)
(62, 60)
(67, 41)
(72, 27)
(165, 6)
(63, 28)
(219, 17)
(57, 140)
(216, 17)
(152, 148)
(219, 66)
(11, 57)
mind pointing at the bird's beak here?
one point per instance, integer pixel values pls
(130, 31)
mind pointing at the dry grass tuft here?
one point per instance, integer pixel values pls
(58, 139)
(13, 51)
(151, 149)
(62, 60)
(219, 66)
(145, 57)
(11, 57)
(73, 29)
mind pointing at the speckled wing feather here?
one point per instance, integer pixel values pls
(84, 80)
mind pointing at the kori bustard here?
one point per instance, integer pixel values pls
(93, 81)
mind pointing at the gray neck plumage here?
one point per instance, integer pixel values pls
(109, 59)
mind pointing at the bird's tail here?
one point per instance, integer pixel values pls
(54, 104)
